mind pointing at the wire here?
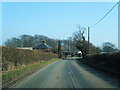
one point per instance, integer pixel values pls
(105, 14)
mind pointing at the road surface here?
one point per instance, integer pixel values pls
(69, 73)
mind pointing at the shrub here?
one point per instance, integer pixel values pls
(108, 62)
(13, 58)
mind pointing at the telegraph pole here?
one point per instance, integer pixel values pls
(88, 40)
(119, 25)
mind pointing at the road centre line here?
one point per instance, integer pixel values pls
(72, 80)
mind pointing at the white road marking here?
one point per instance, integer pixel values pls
(71, 70)
(72, 80)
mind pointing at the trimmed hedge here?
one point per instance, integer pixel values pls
(13, 58)
(108, 62)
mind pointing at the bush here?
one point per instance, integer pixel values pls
(108, 62)
(13, 58)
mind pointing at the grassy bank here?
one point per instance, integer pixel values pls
(17, 63)
(107, 62)
(12, 76)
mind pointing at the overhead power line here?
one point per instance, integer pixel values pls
(105, 14)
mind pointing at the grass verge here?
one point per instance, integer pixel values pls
(11, 77)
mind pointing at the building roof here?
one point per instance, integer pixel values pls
(42, 46)
(26, 48)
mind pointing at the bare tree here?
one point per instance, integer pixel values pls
(79, 35)
(109, 47)
(79, 40)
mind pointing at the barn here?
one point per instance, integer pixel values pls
(43, 47)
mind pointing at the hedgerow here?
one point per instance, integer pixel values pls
(108, 62)
(13, 58)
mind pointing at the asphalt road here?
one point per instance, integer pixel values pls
(67, 73)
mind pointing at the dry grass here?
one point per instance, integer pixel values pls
(10, 77)
(13, 58)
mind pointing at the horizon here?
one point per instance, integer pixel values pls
(58, 20)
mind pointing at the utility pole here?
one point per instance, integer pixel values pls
(88, 40)
(119, 24)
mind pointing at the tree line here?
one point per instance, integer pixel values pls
(76, 42)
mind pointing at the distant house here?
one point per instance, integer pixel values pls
(73, 53)
(43, 47)
(66, 52)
